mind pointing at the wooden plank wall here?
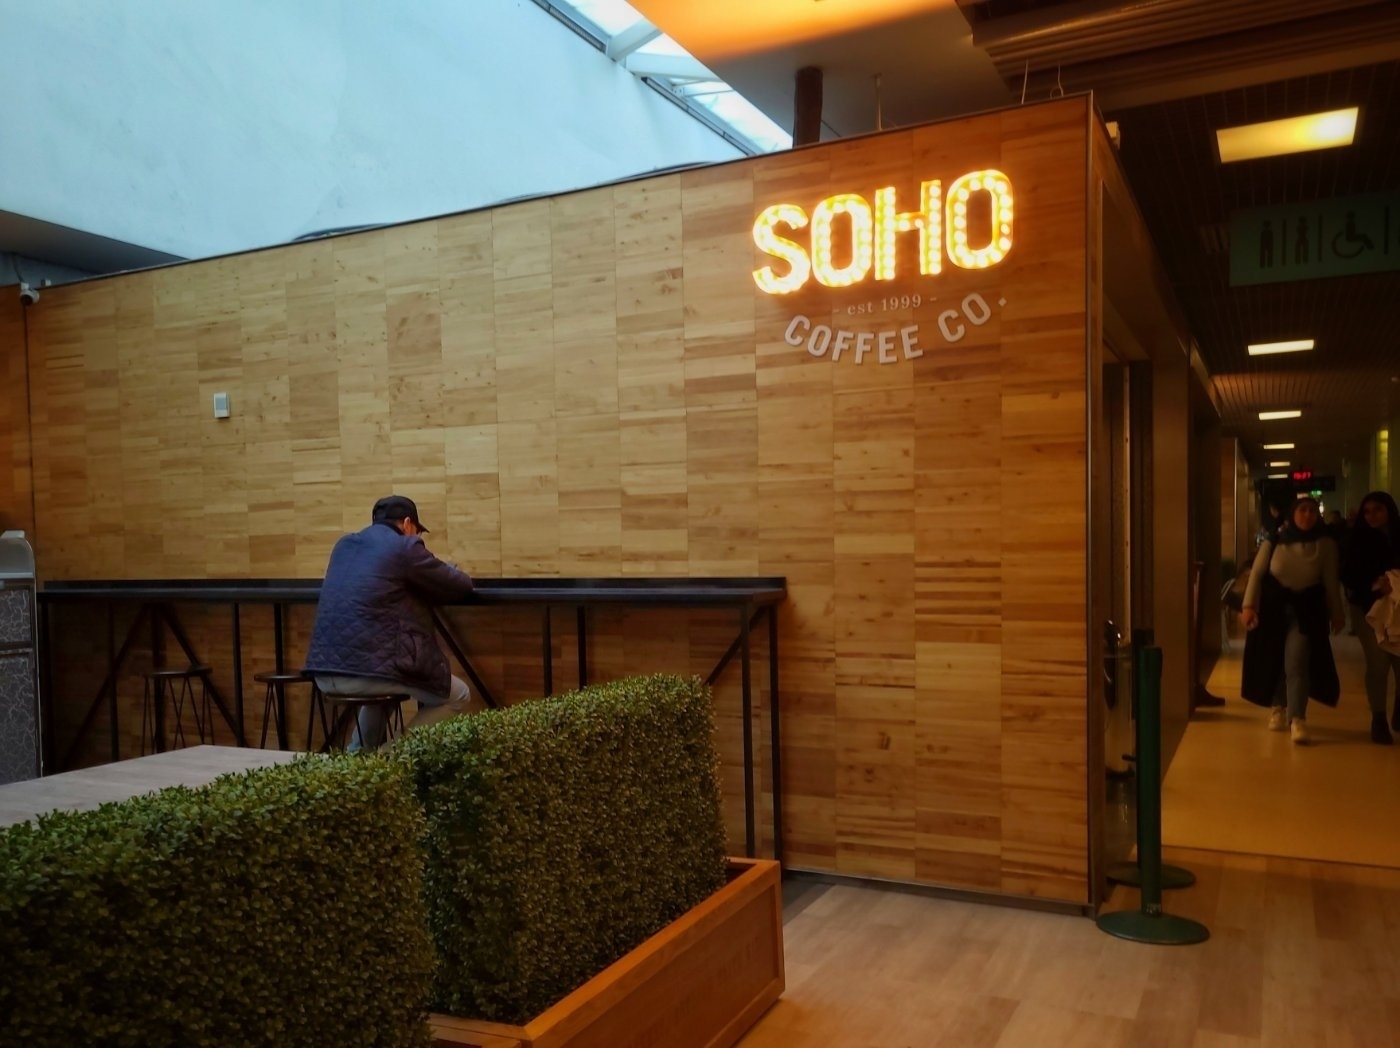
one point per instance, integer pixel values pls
(593, 385)
(16, 490)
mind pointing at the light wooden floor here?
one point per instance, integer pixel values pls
(1301, 954)
(1235, 786)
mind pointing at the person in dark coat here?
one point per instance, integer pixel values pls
(1292, 599)
(1372, 549)
(374, 621)
(1275, 505)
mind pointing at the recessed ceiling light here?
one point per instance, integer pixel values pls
(1271, 416)
(1279, 465)
(1278, 447)
(1263, 349)
(1298, 134)
(1277, 476)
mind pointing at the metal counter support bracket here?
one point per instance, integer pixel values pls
(748, 621)
(747, 706)
(461, 656)
(167, 612)
(112, 690)
(776, 767)
(581, 631)
(547, 655)
(155, 614)
(237, 625)
(109, 682)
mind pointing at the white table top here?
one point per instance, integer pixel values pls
(90, 787)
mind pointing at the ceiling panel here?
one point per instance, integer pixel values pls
(1348, 385)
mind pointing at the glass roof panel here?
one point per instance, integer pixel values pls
(742, 115)
(727, 105)
(611, 16)
(663, 45)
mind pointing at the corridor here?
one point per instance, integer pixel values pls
(1235, 786)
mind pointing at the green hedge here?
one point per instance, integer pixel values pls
(562, 833)
(281, 906)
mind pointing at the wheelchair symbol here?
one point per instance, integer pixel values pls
(1354, 240)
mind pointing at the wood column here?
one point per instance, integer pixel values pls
(1171, 541)
(807, 107)
(16, 487)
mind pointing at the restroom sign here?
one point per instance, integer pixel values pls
(1326, 238)
(803, 245)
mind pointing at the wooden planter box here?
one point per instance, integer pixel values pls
(700, 982)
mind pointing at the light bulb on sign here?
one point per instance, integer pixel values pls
(862, 240)
(998, 189)
(941, 222)
(766, 237)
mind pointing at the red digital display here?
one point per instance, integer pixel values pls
(1302, 474)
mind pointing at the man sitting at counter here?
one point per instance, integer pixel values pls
(374, 623)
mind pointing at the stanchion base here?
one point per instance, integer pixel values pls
(1130, 873)
(1164, 929)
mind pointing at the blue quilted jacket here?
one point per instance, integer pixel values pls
(375, 618)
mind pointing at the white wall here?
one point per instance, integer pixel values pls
(199, 127)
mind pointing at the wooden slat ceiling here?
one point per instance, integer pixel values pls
(1132, 52)
(1187, 195)
(1164, 50)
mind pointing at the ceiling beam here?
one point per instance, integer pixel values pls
(638, 34)
(1345, 41)
(1097, 28)
(667, 67)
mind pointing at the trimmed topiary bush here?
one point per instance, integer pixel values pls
(562, 833)
(279, 906)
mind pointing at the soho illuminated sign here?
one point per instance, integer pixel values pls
(941, 226)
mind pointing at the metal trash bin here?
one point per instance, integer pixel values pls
(21, 741)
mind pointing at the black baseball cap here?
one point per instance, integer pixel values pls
(397, 507)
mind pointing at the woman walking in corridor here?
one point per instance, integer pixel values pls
(1373, 548)
(1292, 598)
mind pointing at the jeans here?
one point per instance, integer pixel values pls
(1379, 664)
(1292, 689)
(369, 731)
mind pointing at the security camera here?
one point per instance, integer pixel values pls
(28, 295)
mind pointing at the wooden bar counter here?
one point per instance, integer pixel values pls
(751, 602)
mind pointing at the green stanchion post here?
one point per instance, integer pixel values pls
(1130, 873)
(1149, 923)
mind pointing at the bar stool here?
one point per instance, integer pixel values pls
(315, 710)
(177, 684)
(348, 711)
(275, 704)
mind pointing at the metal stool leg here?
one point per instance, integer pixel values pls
(147, 708)
(208, 700)
(187, 695)
(267, 711)
(393, 723)
(281, 712)
(318, 705)
(343, 720)
(206, 719)
(177, 703)
(311, 717)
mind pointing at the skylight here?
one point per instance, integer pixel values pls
(651, 55)
(611, 16)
